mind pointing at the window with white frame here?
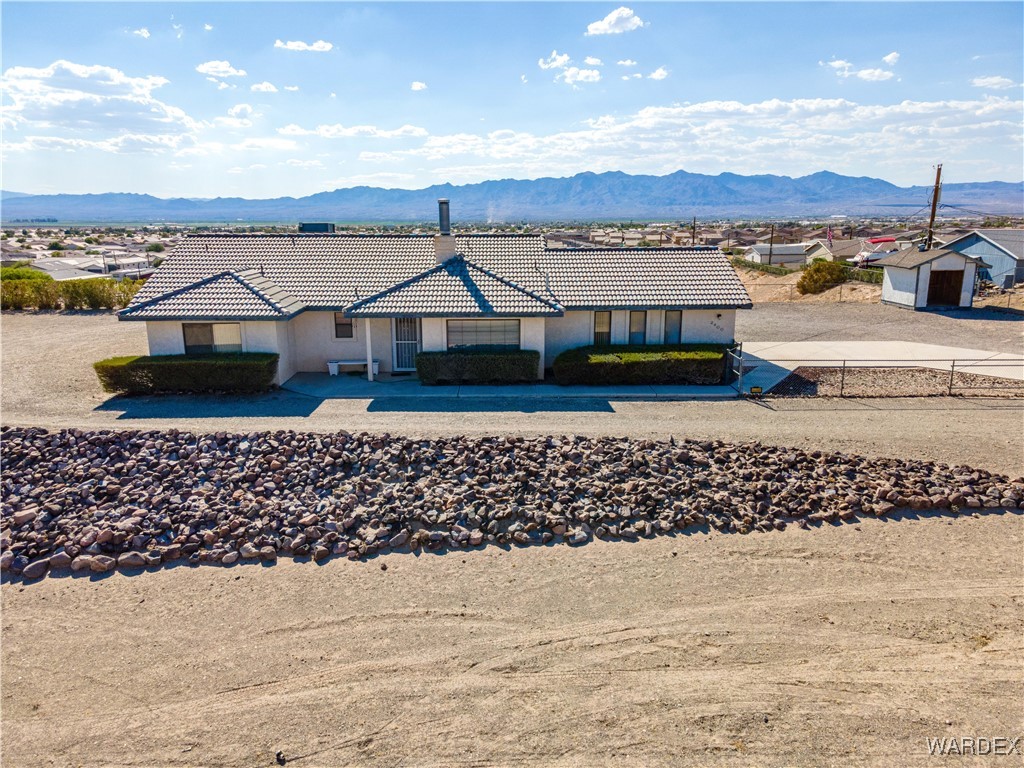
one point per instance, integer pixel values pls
(602, 329)
(673, 326)
(638, 327)
(204, 338)
(483, 334)
(344, 327)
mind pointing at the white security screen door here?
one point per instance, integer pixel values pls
(407, 342)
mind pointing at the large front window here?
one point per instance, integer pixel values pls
(638, 328)
(203, 338)
(602, 329)
(483, 334)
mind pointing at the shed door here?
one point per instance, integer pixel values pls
(944, 288)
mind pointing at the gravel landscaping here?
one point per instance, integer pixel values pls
(95, 501)
(812, 381)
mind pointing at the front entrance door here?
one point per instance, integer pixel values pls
(944, 288)
(406, 331)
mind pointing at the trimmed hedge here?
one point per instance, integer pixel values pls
(478, 366)
(739, 261)
(242, 372)
(92, 293)
(668, 364)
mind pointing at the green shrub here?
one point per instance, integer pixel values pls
(45, 294)
(160, 374)
(23, 273)
(820, 277)
(669, 364)
(55, 246)
(770, 269)
(478, 366)
(14, 294)
(871, 275)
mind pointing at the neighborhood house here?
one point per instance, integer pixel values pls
(379, 300)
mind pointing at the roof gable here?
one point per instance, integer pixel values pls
(1009, 241)
(245, 295)
(455, 288)
(912, 257)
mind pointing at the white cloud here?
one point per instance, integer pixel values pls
(179, 30)
(626, 63)
(633, 76)
(221, 85)
(995, 82)
(773, 136)
(291, 87)
(873, 75)
(555, 61)
(593, 61)
(219, 69)
(334, 95)
(241, 110)
(141, 32)
(845, 69)
(339, 131)
(320, 46)
(891, 59)
(253, 167)
(618, 21)
(295, 163)
(263, 87)
(659, 74)
(523, 79)
(68, 105)
(418, 86)
(573, 75)
(208, 27)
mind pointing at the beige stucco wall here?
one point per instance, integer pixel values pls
(532, 336)
(165, 338)
(574, 329)
(709, 326)
(313, 341)
(433, 331)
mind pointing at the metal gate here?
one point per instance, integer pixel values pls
(734, 368)
(407, 343)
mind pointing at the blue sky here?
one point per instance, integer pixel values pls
(271, 99)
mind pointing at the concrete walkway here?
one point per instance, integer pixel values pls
(765, 365)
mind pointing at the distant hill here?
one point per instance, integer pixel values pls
(583, 197)
(7, 194)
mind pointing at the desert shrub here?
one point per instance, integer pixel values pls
(242, 372)
(155, 248)
(72, 293)
(23, 273)
(45, 294)
(865, 275)
(55, 246)
(15, 294)
(770, 269)
(125, 291)
(820, 277)
(669, 364)
(478, 366)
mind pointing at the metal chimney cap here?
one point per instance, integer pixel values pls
(444, 217)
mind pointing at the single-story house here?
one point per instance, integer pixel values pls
(1002, 248)
(937, 278)
(314, 298)
(777, 255)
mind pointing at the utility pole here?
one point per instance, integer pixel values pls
(771, 245)
(693, 238)
(935, 206)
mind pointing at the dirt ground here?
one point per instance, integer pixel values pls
(845, 645)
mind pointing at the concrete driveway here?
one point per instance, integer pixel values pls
(767, 363)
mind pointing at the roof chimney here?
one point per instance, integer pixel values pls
(444, 243)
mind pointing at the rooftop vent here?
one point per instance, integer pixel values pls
(444, 243)
(444, 217)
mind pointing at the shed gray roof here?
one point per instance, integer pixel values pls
(226, 295)
(911, 258)
(338, 272)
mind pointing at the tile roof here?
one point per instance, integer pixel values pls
(226, 295)
(455, 288)
(334, 272)
(910, 258)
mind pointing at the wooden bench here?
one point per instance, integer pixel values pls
(334, 365)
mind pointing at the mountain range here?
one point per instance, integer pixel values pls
(583, 197)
